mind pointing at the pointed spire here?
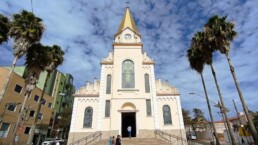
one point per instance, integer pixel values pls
(127, 22)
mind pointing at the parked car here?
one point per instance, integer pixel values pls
(53, 141)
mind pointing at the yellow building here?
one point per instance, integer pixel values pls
(11, 104)
(127, 94)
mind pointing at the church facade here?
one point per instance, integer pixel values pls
(127, 94)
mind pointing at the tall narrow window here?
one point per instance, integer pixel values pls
(147, 83)
(167, 114)
(148, 107)
(127, 74)
(108, 89)
(107, 109)
(88, 117)
(4, 130)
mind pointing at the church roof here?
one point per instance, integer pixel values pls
(127, 22)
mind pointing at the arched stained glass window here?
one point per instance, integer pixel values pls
(147, 83)
(88, 117)
(127, 74)
(108, 88)
(167, 114)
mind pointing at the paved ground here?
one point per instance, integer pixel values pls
(207, 142)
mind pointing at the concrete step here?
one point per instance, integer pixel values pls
(135, 141)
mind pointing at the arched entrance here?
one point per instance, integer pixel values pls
(128, 118)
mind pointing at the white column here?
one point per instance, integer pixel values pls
(74, 115)
(120, 123)
(179, 111)
(154, 98)
(137, 124)
(101, 94)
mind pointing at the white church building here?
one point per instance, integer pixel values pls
(126, 94)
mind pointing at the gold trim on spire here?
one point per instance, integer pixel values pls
(127, 22)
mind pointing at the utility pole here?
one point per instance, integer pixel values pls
(240, 121)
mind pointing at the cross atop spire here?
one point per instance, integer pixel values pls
(127, 3)
(127, 22)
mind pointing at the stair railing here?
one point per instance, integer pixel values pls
(171, 138)
(88, 139)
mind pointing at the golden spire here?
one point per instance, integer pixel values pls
(127, 22)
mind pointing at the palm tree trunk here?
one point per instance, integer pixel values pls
(223, 106)
(250, 121)
(21, 114)
(34, 125)
(210, 112)
(8, 79)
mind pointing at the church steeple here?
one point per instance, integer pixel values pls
(127, 31)
(127, 22)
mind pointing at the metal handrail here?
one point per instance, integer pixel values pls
(88, 139)
(171, 138)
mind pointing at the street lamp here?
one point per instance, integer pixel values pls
(211, 116)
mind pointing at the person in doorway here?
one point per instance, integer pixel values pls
(110, 140)
(129, 129)
(118, 140)
(113, 140)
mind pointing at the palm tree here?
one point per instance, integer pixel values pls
(206, 50)
(197, 62)
(220, 33)
(4, 28)
(55, 58)
(26, 29)
(36, 62)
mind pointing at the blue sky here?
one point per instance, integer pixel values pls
(85, 30)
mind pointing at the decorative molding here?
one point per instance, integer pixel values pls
(85, 95)
(127, 44)
(88, 100)
(124, 111)
(167, 98)
(128, 90)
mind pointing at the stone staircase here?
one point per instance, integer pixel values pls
(135, 141)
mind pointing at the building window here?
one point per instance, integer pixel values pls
(43, 102)
(108, 89)
(4, 130)
(49, 105)
(88, 117)
(167, 115)
(127, 74)
(36, 98)
(147, 83)
(40, 116)
(18, 88)
(148, 107)
(11, 107)
(107, 109)
(27, 130)
(32, 112)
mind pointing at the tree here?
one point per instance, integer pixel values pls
(205, 50)
(26, 29)
(4, 28)
(255, 120)
(65, 121)
(36, 61)
(55, 58)
(197, 59)
(219, 34)
(199, 121)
